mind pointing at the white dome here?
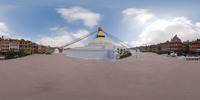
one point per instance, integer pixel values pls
(100, 41)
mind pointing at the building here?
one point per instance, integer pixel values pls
(165, 46)
(34, 47)
(149, 48)
(43, 49)
(14, 45)
(99, 48)
(25, 45)
(194, 47)
(0, 44)
(155, 48)
(4, 46)
(175, 45)
(48, 48)
(142, 48)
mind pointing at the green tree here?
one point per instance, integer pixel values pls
(27, 52)
(48, 52)
(160, 52)
(10, 54)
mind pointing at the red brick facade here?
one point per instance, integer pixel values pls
(173, 46)
(195, 47)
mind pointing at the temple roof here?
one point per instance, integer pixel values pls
(175, 39)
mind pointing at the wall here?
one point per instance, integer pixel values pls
(113, 54)
(91, 54)
(14, 46)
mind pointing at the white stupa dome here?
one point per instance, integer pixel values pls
(98, 48)
(100, 41)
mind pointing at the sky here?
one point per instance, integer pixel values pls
(136, 22)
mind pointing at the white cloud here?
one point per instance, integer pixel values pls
(54, 28)
(80, 33)
(137, 15)
(74, 14)
(160, 30)
(7, 33)
(4, 31)
(55, 41)
(61, 37)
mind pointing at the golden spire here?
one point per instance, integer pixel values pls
(100, 33)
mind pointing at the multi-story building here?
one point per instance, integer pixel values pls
(142, 48)
(41, 49)
(4, 46)
(165, 46)
(48, 48)
(0, 46)
(34, 48)
(175, 45)
(149, 48)
(194, 47)
(187, 44)
(155, 48)
(25, 45)
(14, 45)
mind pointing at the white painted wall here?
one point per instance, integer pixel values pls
(91, 54)
(113, 54)
(94, 52)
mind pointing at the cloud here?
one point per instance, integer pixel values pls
(61, 36)
(55, 41)
(54, 28)
(4, 30)
(74, 14)
(7, 33)
(137, 15)
(80, 33)
(161, 29)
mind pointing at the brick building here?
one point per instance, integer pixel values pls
(41, 49)
(34, 47)
(0, 46)
(16, 45)
(195, 47)
(4, 46)
(155, 48)
(175, 45)
(25, 45)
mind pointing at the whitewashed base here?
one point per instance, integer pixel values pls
(92, 54)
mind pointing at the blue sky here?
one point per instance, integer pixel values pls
(137, 22)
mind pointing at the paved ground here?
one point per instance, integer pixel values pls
(57, 77)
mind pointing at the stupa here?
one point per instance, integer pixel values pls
(98, 48)
(56, 50)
